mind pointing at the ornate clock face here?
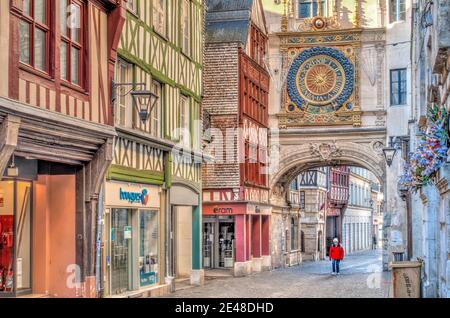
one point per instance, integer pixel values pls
(321, 77)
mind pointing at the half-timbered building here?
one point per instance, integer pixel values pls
(235, 194)
(152, 196)
(56, 140)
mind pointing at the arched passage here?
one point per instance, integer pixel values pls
(294, 160)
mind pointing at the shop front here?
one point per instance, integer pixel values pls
(15, 236)
(38, 256)
(133, 255)
(236, 237)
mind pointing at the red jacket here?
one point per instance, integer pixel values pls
(337, 252)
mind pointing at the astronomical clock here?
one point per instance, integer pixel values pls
(322, 78)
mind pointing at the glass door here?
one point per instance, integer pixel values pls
(23, 235)
(208, 245)
(226, 245)
(121, 258)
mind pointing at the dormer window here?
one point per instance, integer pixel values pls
(310, 8)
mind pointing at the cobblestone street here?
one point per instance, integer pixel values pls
(360, 277)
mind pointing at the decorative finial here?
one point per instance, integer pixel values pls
(284, 18)
(356, 15)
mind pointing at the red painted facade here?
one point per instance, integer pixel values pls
(247, 201)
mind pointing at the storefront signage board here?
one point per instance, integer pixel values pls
(121, 194)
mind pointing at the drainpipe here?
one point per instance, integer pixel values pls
(98, 246)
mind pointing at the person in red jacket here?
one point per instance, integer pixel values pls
(336, 256)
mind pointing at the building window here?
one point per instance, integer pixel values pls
(302, 242)
(159, 16)
(302, 200)
(132, 6)
(398, 87)
(34, 34)
(71, 47)
(185, 121)
(309, 8)
(156, 112)
(123, 75)
(294, 235)
(185, 27)
(397, 10)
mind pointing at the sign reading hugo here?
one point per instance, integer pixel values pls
(121, 194)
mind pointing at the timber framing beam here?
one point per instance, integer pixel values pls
(9, 134)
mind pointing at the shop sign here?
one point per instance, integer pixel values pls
(231, 209)
(123, 194)
(220, 210)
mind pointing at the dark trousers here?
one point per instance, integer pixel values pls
(335, 264)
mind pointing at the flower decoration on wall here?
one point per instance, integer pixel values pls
(431, 151)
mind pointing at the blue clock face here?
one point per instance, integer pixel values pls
(320, 78)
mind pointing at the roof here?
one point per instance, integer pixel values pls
(228, 21)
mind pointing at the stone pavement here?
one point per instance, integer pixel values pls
(361, 277)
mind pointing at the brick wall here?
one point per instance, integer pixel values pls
(221, 78)
(221, 100)
(224, 174)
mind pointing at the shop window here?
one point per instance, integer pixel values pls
(34, 34)
(133, 251)
(149, 248)
(15, 242)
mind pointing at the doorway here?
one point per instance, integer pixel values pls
(182, 241)
(15, 237)
(218, 243)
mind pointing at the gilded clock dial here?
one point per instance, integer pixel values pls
(320, 77)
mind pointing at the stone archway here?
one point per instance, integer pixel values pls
(294, 159)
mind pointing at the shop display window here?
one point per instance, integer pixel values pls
(133, 249)
(149, 248)
(15, 237)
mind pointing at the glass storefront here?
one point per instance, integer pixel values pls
(15, 237)
(148, 247)
(218, 242)
(133, 255)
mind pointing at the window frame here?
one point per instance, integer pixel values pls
(185, 38)
(123, 90)
(312, 3)
(398, 15)
(185, 113)
(71, 44)
(401, 101)
(32, 26)
(157, 108)
(162, 13)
